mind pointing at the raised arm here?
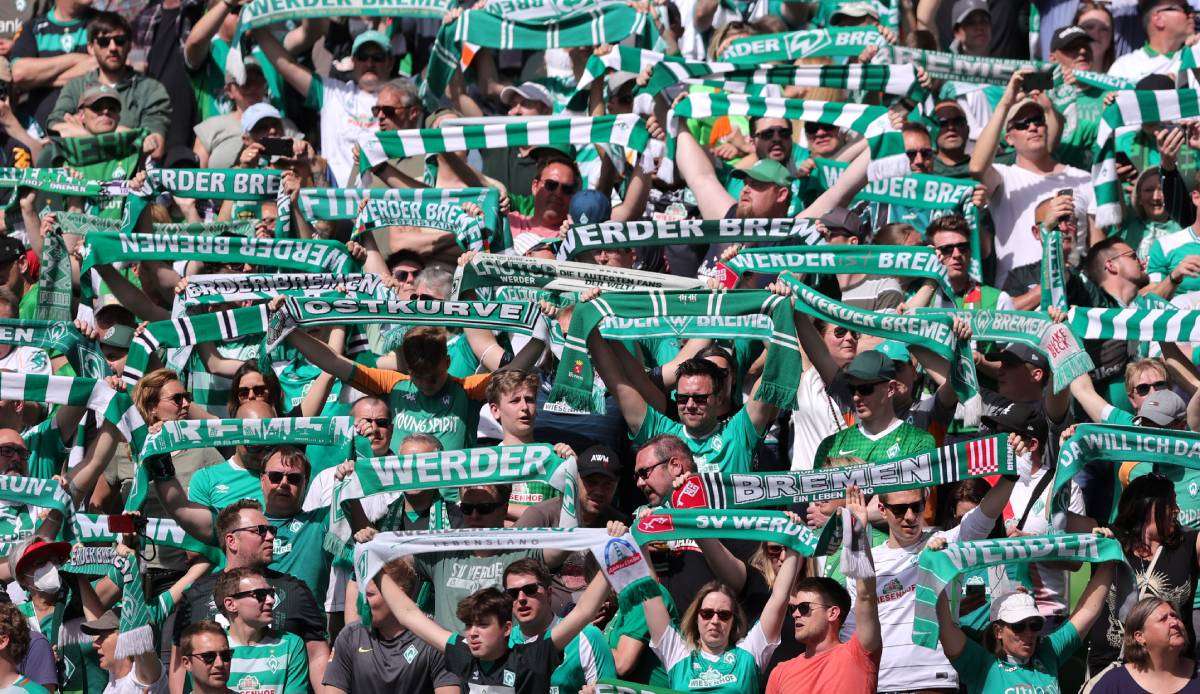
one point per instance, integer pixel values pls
(949, 633)
(195, 519)
(582, 614)
(293, 72)
(725, 567)
(411, 617)
(319, 353)
(632, 405)
(697, 171)
(633, 206)
(980, 166)
(866, 603)
(1091, 602)
(843, 190)
(774, 612)
(136, 300)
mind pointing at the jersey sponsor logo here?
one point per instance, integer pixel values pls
(710, 678)
(410, 653)
(894, 590)
(250, 685)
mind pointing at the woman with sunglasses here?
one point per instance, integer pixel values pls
(1156, 654)
(161, 397)
(1015, 655)
(716, 651)
(250, 383)
(820, 411)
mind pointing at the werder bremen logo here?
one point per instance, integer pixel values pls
(801, 44)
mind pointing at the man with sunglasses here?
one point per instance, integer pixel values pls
(265, 660)
(772, 139)
(207, 657)
(145, 101)
(398, 107)
(1168, 25)
(950, 155)
(1024, 283)
(950, 237)
(1029, 123)
(556, 182)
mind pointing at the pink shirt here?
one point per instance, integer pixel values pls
(848, 667)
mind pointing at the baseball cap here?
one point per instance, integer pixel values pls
(1155, 82)
(528, 241)
(527, 90)
(1161, 408)
(871, 365)
(10, 249)
(590, 207)
(963, 9)
(104, 623)
(1068, 35)
(856, 9)
(1016, 352)
(34, 552)
(894, 350)
(1014, 608)
(1144, 6)
(845, 220)
(947, 104)
(256, 112)
(98, 92)
(599, 460)
(376, 37)
(120, 336)
(1016, 417)
(1026, 104)
(767, 171)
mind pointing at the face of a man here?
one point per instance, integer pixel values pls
(823, 140)
(919, 150)
(952, 129)
(1026, 132)
(773, 139)
(482, 508)
(615, 257)
(377, 412)
(1146, 382)
(205, 646)
(553, 189)
(652, 473)
(392, 113)
(110, 49)
(372, 65)
(486, 637)
(759, 199)
(696, 399)
(516, 411)
(902, 511)
(527, 608)
(954, 250)
(1127, 266)
(14, 455)
(522, 106)
(1077, 55)
(101, 116)
(282, 485)
(596, 492)
(253, 537)
(254, 602)
(975, 33)
(868, 397)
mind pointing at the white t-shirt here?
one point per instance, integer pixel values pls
(345, 115)
(1049, 585)
(26, 360)
(817, 415)
(905, 665)
(1012, 206)
(131, 684)
(1137, 64)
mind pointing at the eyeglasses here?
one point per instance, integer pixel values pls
(953, 122)
(180, 398)
(555, 186)
(119, 39)
(948, 249)
(245, 392)
(528, 590)
(260, 530)
(259, 594)
(370, 57)
(10, 451)
(840, 333)
(901, 510)
(1094, 26)
(1142, 389)
(814, 128)
(294, 478)
(699, 398)
(806, 608)
(644, 473)
(481, 509)
(863, 389)
(1028, 123)
(405, 275)
(388, 112)
(1033, 624)
(210, 657)
(923, 152)
(379, 422)
(779, 133)
(706, 614)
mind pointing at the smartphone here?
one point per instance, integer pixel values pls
(1041, 81)
(277, 146)
(123, 523)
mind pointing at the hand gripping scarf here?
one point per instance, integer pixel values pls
(591, 237)
(136, 633)
(1053, 271)
(187, 331)
(1135, 324)
(945, 568)
(920, 191)
(621, 59)
(933, 332)
(786, 47)
(897, 80)
(886, 143)
(1131, 108)
(221, 288)
(1067, 358)
(310, 255)
(752, 526)
(958, 461)
(753, 313)
(449, 217)
(518, 317)
(163, 532)
(333, 204)
(490, 270)
(56, 337)
(897, 261)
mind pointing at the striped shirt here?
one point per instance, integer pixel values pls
(278, 664)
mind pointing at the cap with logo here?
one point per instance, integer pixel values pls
(894, 350)
(1068, 36)
(99, 92)
(1162, 408)
(590, 207)
(599, 460)
(964, 8)
(766, 171)
(377, 38)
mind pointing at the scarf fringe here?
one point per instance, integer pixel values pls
(135, 642)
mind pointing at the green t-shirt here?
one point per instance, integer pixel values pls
(983, 673)
(900, 439)
(276, 665)
(218, 486)
(1081, 109)
(632, 623)
(735, 671)
(455, 575)
(586, 659)
(449, 416)
(299, 548)
(1141, 233)
(728, 449)
(1167, 252)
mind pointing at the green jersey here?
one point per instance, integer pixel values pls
(728, 449)
(735, 671)
(586, 659)
(450, 416)
(299, 548)
(218, 486)
(455, 575)
(632, 623)
(983, 673)
(1168, 251)
(899, 439)
(276, 665)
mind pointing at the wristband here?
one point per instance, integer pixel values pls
(159, 467)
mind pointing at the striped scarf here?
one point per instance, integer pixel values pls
(591, 237)
(897, 80)
(956, 66)
(333, 204)
(1135, 324)
(188, 331)
(204, 290)
(898, 261)
(1053, 271)
(54, 280)
(162, 532)
(93, 394)
(755, 314)
(135, 635)
(621, 59)
(488, 270)
(56, 337)
(311, 255)
(811, 43)
(236, 227)
(57, 181)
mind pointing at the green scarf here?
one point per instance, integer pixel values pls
(93, 153)
(32, 491)
(484, 315)
(93, 394)
(237, 227)
(1135, 324)
(933, 332)
(491, 270)
(136, 633)
(216, 184)
(897, 80)
(186, 331)
(334, 204)
(80, 224)
(310, 255)
(626, 59)
(56, 337)
(222, 288)
(974, 217)
(162, 532)
(756, 314)
(444, 216)
(920, 191)
(939, 569)
(475, 466)
(54, 181)
(958, 461)
(591, 237)
(54, 280)
(1067, 358)
(1053, 271)
(898, 261)
(665, 525)
(957, 67)
(787, 47)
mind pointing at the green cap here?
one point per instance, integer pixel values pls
(869, 366)
(376, 37)
(767, 171)
(894, 349)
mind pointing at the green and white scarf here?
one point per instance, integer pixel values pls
(491, 270)
(1053, 271)
(811, 43)
(1131, 108)
(93, 394)
(136, 635)
(1135, 324)
(591, 237)
(216, 184)
(933, 332)
(334, 204)
(237, 227)
(957, 67)
(897, 80)
(81, 224)
(57, 181)
(56, 337)
(162, 532)
(919, 191)
(467, 229)
(886, 143)
(36, 492)
(518, 317)
(223, 288)
(187, 331)
(1035, 330)
(897, 261)
(54, 280)
(664, 525)
(958, 461)
(755, 314)
(622, 59)
(473, 466)
(946, 568)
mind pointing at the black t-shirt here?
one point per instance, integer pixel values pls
(44, 37)
(364, 662)
(296, 610)
(684, 572)
(525, 670)
(510, 168)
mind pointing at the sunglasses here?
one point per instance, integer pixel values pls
(260, 530)
(901, 510)
(481, 509)
(528, 590)
(644, 473)
(104, 41)
(379, 422)
(864, 389)
(773, 551)
(210, 657)
(405, 275)
(1095, 26)
(954, 122)
(699, 398)
(1033, 624)
(104, 106)
(1142, 389)
(180, 398)
(370, 57)
(385, 112)
(924, 152)
(293, 478)
(814, 128)
(554, 186)
(10, 451)
(805, 608)
(257, 391)
(840, 333)
(259, 594)
(707, 614)
(779, 133)
(948, 249)
(1028, 123)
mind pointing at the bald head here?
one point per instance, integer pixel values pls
(255, 409)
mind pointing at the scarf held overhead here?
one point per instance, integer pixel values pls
(752, 526)
(492, 270)
(310, 255)
(786, 47)
(591, 237)
(901, 261)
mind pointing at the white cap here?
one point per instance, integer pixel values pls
(1014, 607)
(526, 241)
(529, 90)
(856, 9)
